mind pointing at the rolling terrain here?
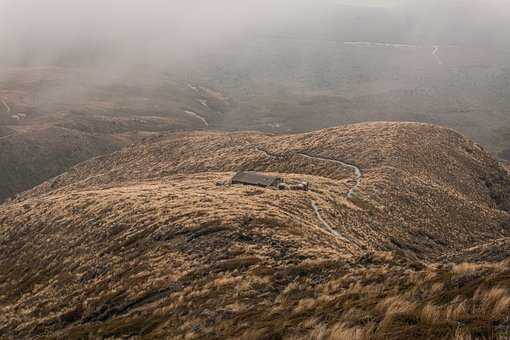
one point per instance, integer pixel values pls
(52, 118)
(31, 157)
(272, 83)
(403, 234)
(291, 84)
(337, 63)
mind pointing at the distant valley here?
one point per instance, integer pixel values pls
(269, 84)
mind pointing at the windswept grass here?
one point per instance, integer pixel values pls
(143, 243)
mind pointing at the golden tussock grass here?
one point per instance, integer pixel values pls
(151, 247)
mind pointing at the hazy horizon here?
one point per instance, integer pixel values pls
(151, 31)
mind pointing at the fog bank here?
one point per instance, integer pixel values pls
(55, 31)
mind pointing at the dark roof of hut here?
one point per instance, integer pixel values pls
(253, 178)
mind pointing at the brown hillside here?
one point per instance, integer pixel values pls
(31, 157)
(407, 168)
(143, 241)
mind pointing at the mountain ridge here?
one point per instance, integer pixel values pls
(144, 242)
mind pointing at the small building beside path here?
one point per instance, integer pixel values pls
(256, 179)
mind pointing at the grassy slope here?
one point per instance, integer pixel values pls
(30, 158)
(144, 242)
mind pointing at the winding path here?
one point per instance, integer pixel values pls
(202, 100)
(384, 44)
(359, 177)
(197, 116)
(204, 103)
(325, 225)
(7, 107)
(357, 170)
(435, 54)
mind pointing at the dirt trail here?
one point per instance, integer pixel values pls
(202, 100)
(8, 136)
(435, 54)
(384, 44)
(325, 225)
(197, 116)
(204, 103)
(7, 107)
(359, 177)
(357, 171)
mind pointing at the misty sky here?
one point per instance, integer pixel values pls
(40, 31)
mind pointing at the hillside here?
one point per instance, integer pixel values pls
(268, 83)
(53, 117)
(29, 158)
(145, 242)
